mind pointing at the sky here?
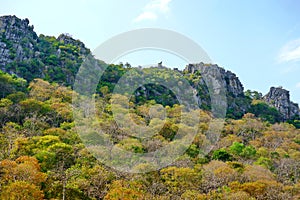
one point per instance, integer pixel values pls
(257, 40)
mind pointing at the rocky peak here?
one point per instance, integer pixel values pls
(11, 27)
(237, 104)
(280, 99)
(26, 55)
(228, 79)
(68, 40)
(17, 40)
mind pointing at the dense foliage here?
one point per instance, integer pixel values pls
(53, 59)
(42, 156)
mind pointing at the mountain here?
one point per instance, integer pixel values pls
(29, 56)
(237, 103)
(280, 99)
(55, 145)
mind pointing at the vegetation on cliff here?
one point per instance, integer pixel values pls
(42, 156)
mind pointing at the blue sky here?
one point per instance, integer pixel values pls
(257, 40)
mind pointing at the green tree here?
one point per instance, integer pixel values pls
(262, 110)
(10, 84)
(237, 148)
(222, 155)
(248, 152)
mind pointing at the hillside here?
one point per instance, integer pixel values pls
(29, 56)
(51, 150)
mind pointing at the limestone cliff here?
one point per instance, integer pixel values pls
(236, 102)
(29, 56)
(17, 40)
(280, 99)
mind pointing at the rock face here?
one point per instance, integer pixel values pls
(26, 55)
(68, 40)
(29, 56)
(17, 40)
(280, 99)
(228, 79)
(220, 80)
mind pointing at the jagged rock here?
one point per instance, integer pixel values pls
(234, 86)
(280, 99)
(17, 40)
(229, 80)
(234, 90)
(26, 55)
(67, 39)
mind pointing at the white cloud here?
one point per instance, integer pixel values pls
(153, 9)
(159, 5)
(290, 51)
(298, 85)
(145, 16)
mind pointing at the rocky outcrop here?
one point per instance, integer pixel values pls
(17, 40)
(25, 54)
(228, 79)
(68, 40)
(220, 79)
(29, 56)
(280, 99)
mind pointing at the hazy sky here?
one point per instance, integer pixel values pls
(257, 40)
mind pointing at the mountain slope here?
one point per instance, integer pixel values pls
(46, 153)
(29, 56)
